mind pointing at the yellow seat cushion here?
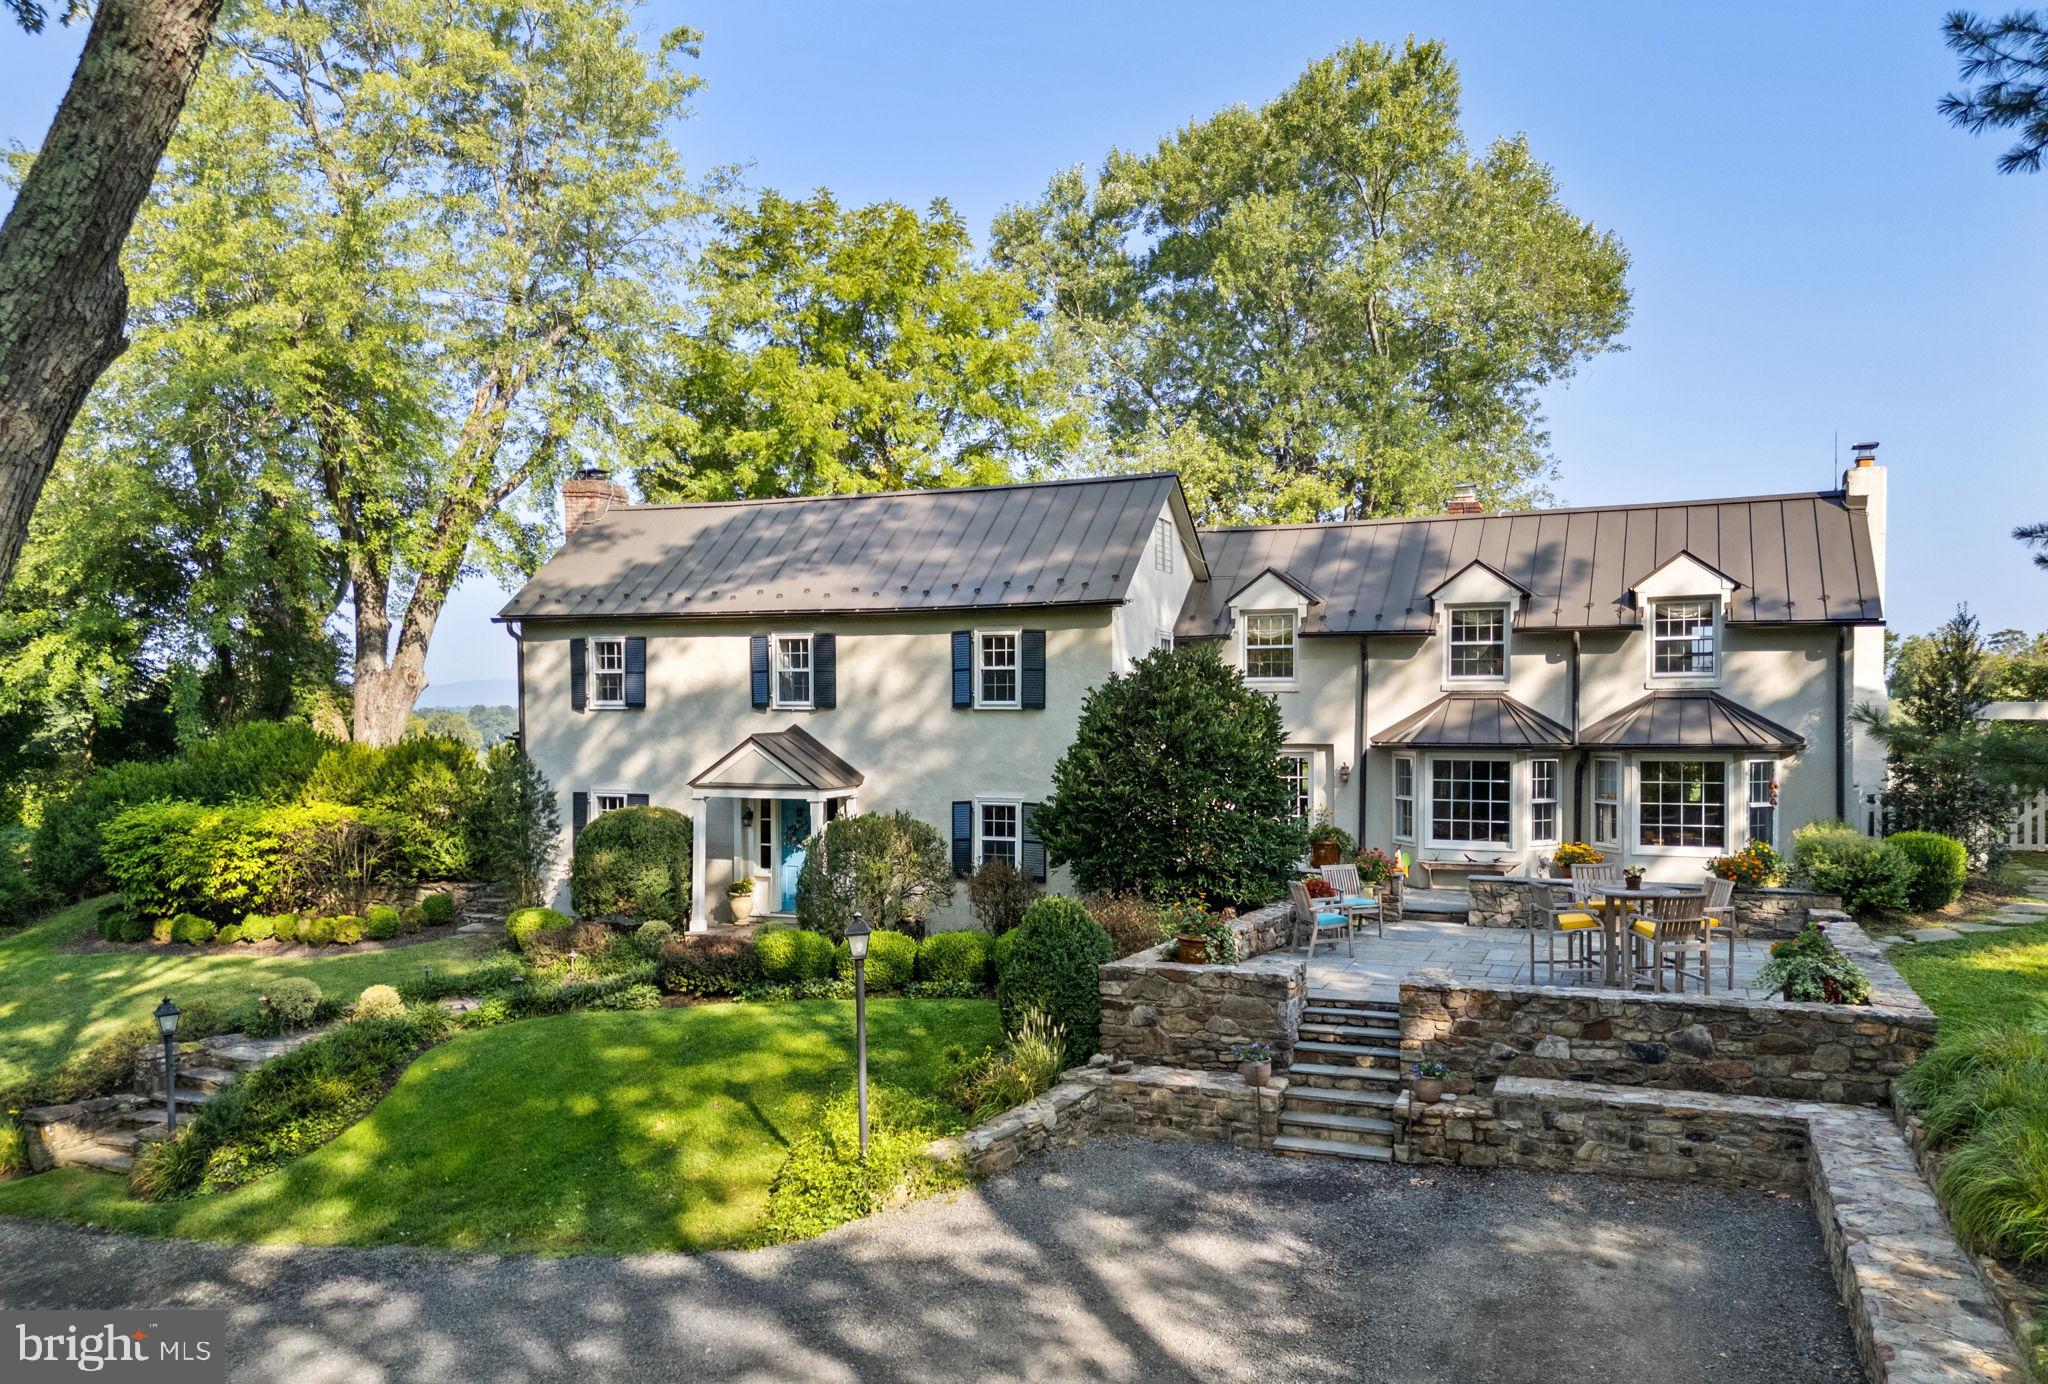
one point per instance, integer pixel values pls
(1572, 922)
(1713, 922)
(1645, 927)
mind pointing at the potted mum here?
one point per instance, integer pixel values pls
(1755, 866)
(1573, 853)
(1428, 1087)
(1255, 1063)
(741, 896)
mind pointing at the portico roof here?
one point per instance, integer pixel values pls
(1690, 721)
(778, 761)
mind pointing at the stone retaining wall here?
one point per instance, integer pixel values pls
(1158, 1102)
(1503, 901)
(1264, 930)
(1163, 1013)
(1691, 1042)
(1919, 1310)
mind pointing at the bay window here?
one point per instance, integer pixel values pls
(1683, 803)
(1607, 802)
(1469, 801)
(1542, 800)
(1762, 780)
(1404, 799)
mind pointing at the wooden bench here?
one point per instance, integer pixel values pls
(1430, 868)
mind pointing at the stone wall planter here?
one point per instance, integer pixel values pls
(1169, 1014)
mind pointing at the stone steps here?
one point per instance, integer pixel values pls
(1359, 1128)
(1324, 1075)
(112, 1152)
(1355, 1054)
(1331, 1101)
(1332, 1148)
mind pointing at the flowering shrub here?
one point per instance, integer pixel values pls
(1577, 853)
(1375, 866)
(1320, 888)
(1754, 866)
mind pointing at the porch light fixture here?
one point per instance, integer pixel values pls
(1344, 771)
(857, 947)
(167, 1024)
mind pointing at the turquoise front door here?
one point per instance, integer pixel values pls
(796, 829)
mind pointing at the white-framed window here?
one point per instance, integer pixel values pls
(1542, 801)
(1682, 638)
(1162, 638)
(995, 668)
(1404, 798)
(1269, 646)
(1682, 804)
(603, 800)
(762, 835)
(608, 672)
(998, 831)
(1761, 775)
(1607, 802)
(1470, 801)
(1477, 646)
(793, 681)
(1299, 779)
(1162, 545)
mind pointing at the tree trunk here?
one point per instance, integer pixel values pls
(62, 297)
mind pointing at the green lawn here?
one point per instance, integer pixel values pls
(1984, 977)
(581, 1133)
(54, 1002)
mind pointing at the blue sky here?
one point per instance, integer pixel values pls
(1817, 256)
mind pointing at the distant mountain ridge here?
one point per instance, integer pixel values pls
(470, 692)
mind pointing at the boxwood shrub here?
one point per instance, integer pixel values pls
(437, 910)
(191, 929)
(319, 932)
(793, 955)
(1870, 876)
(892, 961)
(348, 930)
(261, 927)
(524, 923)
(381, 923)
(1941, 864)
(1051, 965)
(954, 958)
(634, 861)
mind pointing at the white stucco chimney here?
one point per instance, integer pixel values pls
(1863, 483)
(1465, 499)
(1863, 486)
(588, 495)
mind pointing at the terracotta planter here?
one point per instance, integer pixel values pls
(1256, 1073)
(1191, 951)
(1321, 853)
(742, 906)
(1428, 1090)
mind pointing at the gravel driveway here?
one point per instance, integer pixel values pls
(1123, 1260)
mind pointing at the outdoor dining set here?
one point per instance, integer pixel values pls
(1597, 924)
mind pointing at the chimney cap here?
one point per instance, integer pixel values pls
(1863, 446)
(593, 472)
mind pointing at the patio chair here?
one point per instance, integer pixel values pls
(1353, 898)
(1554, 911)
(1721, 919)
(1670, 928)
(1319, 920)
(1584, 877)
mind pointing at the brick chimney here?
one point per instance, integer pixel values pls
(1465, 499)
(588, 495)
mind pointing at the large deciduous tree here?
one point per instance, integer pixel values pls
(435, 235)
(62, 296)
(848, 350)
(2006, 61)
(1330, 305)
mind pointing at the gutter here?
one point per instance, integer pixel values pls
(1841, 725)
(1358, 745)
(1579, 758)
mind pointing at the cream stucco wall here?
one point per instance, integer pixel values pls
(895, 721)
(1154, 600)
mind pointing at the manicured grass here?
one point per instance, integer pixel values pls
(54, 1002)
(582, 1133)
(1985, 977)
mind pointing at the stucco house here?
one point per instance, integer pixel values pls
(1666, 680)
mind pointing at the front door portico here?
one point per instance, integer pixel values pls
(753, 813)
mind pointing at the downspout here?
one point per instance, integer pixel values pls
(1841, 724)
(1358, 732)
(1578, 755)
(519, 676)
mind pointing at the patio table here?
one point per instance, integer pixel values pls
(1614, 920)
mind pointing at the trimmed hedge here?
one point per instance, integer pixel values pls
(892, 961)
(955, 958)
(1941, 865)
(634, 861)
(790, 956)
(1052, 958)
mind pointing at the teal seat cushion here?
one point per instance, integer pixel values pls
(1356, 901)
(1329, 920)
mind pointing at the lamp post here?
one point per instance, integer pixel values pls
(167, 1024)
(857, 945)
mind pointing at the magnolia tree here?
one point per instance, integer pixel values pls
(1173, 789)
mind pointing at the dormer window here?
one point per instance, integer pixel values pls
(1269, 647)
(1478, 643)
(1682, 638)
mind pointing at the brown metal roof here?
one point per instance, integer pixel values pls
(1690, 721)
(798, 751)
(1477, 721)
(1796, 559)
(1076, 542)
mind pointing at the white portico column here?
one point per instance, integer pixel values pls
(700, 916)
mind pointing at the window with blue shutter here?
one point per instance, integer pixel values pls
(636, 671)
(963, 840)
(1031, 856)
(963, 668)
(1031, 685)
(824, 671)
(758, 648)
(636, 800)
(578, 673)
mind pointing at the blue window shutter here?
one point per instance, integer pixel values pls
(636, 671)
(1031, 854)
(1031, 680)
(636, 800)
(824, 671)
(759, 650)
(963, 667)
(963, 840)
(579, 809)
(577, 675)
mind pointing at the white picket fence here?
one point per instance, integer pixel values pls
(2030, 825)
